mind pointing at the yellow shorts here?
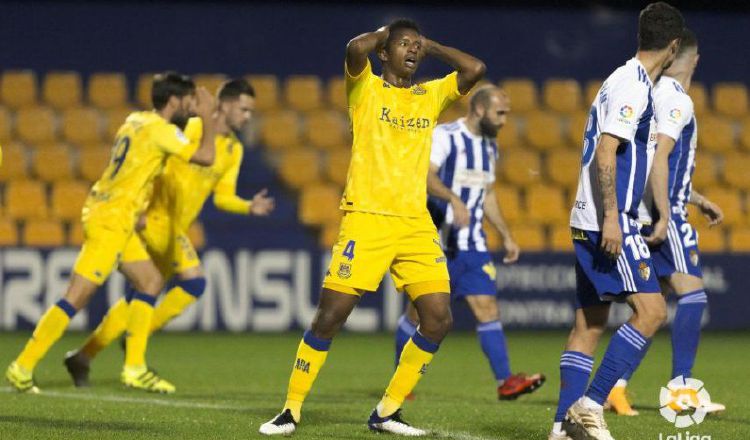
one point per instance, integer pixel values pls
(101, 251)
(370, 244)
(169, 248)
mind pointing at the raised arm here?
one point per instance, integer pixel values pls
(360, 46)
(495, 216)
(470, 69)
(206, 152)
(436, 188)
(658, 182)
(606, 167)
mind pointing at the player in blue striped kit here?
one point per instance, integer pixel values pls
(461, 188)
(613, 259)
(672, 239)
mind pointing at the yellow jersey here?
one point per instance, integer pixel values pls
(142, 145)
(392, 134)
(183, 188)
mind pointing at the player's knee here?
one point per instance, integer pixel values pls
(193, 286)
(327, 323)
(436, 325)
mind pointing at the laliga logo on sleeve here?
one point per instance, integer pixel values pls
(626, 112)
(675, 114)
(680, 397)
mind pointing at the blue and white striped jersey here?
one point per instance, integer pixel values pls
(467, 166)
(623, 108)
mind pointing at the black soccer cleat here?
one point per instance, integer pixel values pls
(282, 424)
(78, 368)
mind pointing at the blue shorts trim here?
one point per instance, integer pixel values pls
(679, 252)
(600, 279)
(471, 273)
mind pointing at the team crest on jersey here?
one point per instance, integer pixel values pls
(418, 90)
(345, 270)
(644, 270)
(490, 270)
(694, 257)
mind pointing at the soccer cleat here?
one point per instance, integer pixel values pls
(519, 384)
(590, 422)
(712, 407)
(620, 403)
(78, 367)
(143, 378)
(21, 379)
(562, 436)
(282, 424)
(393, 424)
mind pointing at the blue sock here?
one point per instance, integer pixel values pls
(624, 350)
(686, 331)
(193, 286)
(628, 374)
(129, 292)
(492, 339)
(575, 369)
(404, 332)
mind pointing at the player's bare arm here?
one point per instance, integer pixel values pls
(658, 182)
(606, 167)
(436, 188)
(360, 46)
(709, 209)
(497, 220)
(470, 69)
(205, 108)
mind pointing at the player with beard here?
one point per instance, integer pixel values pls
(386, 225)
(142, 146)
(462, 191)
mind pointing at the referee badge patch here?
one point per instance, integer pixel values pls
(694, 257)
(345, 270)
(644, 270)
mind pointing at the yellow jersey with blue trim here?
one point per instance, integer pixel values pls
(142, 145)
(392, 133)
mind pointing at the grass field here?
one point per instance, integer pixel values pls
(227, 385)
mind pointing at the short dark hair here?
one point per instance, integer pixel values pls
(659, 24)
(687, 41)
(170, 84)
(400, 24)
(233, 88)
(481, 96)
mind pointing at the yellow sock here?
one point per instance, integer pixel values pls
(49, 329)
(139, 323)
(173, 304)
(112, 326)
(311, 355)
(415, 358)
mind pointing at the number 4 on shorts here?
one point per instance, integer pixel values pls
(349, 250)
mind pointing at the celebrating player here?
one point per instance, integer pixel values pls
(179, 195)
(386, 225)
(460, 183)
(613, 259)
(109, 215)
(673, 241)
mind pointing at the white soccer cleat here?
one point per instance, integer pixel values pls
(590, 421)
(282, 424)
(393, 424)
(713, 407)
(562, 436)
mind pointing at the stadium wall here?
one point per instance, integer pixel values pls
(239, 38)
(276, 289)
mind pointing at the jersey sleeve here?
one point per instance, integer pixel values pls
(172, 140)
(441, 146)
(445, 90)
(625, 105)
(194, 130)
(673, 113)
(225, 190)
(356, 85)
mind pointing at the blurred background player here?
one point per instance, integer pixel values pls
(461, 185)
(673, 241)
(386, 225)
(178, 198)
(613, 260)
(142, 145)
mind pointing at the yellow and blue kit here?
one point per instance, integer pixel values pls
(386, 225)
(141, 148)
